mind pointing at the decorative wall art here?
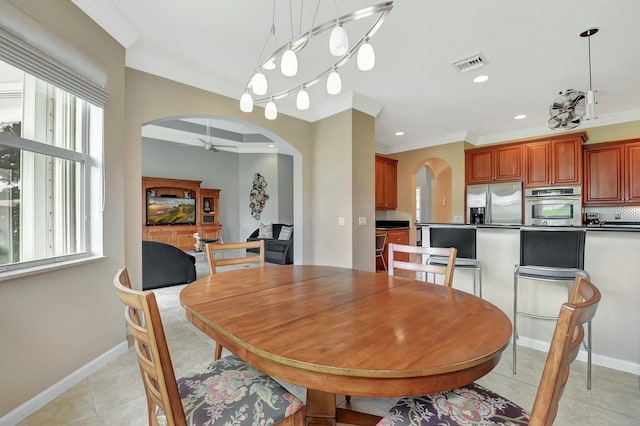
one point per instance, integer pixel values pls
(258, 195)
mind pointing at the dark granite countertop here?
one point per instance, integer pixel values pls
(609, 226)
(392, 224)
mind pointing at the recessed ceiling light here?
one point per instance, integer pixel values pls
(520, 116)
(399, 133)
(480, 78)
(271, 145)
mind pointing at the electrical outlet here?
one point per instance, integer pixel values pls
(618, 215)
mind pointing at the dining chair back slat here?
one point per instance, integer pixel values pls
(419, 263)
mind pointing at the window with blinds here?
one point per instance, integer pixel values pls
(50, 146)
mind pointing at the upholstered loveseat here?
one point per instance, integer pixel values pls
(275, 250)
(164, 265)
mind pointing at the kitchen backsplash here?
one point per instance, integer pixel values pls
(612, 214)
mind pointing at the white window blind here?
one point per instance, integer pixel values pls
(28, 45)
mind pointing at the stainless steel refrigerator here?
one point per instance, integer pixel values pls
(499, 203)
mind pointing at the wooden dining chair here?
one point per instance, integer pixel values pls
(420, 263)
(456, 407)
(227, 391)
(213, 248)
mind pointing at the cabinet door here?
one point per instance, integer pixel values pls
(604, 175)
(538, 164)
(479, 165)
(391, 177)
(400, 236)
(184, 239)
(380, 184)
(566, 160)
(508, 163)
(386, 183)
(632, 159)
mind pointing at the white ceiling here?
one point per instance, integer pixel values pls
(532, 47)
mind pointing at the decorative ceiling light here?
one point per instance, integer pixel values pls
(366, 57)
(302, 100)
(288, 54)
(480, 78)
(591, 94)
(270, 111)
(334, 83)
(339, 40)
(246, 102)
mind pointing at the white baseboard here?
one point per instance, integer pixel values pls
(604, 361)
(43, 398)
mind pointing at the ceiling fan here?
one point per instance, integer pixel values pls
(208, 143)
(567, 110)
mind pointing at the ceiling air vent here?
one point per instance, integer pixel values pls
(470, 63)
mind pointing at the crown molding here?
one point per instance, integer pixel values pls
(109, 17)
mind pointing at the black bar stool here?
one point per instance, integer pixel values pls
(463, 239)
(554, 255)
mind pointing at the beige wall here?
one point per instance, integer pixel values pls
(363, 187)
(53, 323)
(614, 132)
(332, 191)
(409, 162)
(151, 98)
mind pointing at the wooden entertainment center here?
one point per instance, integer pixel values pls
(207, 218)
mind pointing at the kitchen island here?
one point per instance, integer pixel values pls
(612, 258)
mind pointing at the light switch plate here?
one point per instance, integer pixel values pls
(362, 220)
(340, 220)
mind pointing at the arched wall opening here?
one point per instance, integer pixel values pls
(232, 173)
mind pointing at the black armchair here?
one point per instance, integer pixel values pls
(275, 250)
(164, 265)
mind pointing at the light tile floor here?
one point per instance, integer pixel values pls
(114, 395)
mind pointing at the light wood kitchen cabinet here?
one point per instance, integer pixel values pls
(556, 162)
(612, 173)
(386, 183)
(494, 164)
(396, 236)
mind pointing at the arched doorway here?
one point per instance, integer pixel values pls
(434, 191)
(179, 147)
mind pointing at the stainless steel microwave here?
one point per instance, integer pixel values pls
(553, 206)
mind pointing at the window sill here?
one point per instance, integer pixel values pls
(40, 269)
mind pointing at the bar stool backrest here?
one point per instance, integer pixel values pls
(462, 238)
(552, 247)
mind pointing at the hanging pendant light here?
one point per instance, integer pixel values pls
(366, 57)
(259, 84)
(270, 110)
(258, 91)
(302, 100)
(338, 41)
(289, 63)
(246, 102)
(590, 108)
(334, 83)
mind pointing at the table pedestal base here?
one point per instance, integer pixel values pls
(321, 411)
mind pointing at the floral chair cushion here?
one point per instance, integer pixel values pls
(230, 392)
(470, 405)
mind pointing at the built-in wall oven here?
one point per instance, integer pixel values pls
(553, 206)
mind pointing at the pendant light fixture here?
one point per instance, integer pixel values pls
(246, 102)
(366, 57)
(334, 83)
(288, 56)
(590, 109)
(270, 111)
(302, 100)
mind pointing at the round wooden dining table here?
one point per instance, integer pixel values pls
(343, 331)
